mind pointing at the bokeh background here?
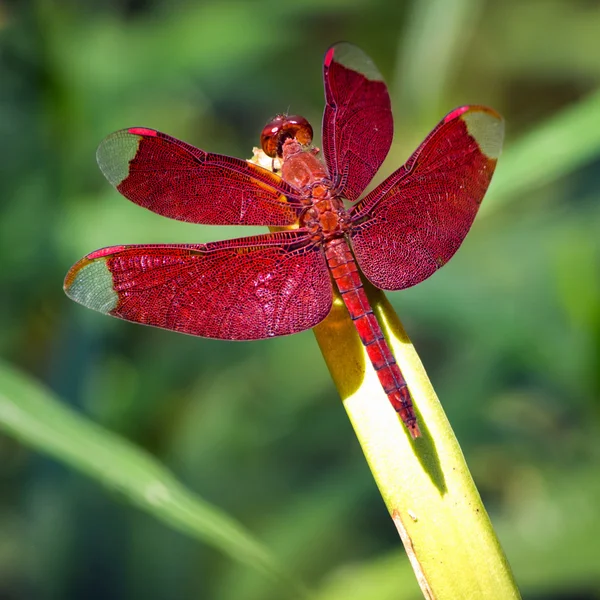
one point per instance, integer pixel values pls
(509, 331)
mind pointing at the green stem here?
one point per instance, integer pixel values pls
(425, 483)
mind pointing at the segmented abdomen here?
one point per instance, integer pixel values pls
(346, 275)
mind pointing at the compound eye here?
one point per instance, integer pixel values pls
(269, 138)
(299, 128)
(280, 129)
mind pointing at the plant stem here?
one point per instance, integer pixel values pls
(425, 483)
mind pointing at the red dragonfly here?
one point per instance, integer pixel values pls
(281, 283)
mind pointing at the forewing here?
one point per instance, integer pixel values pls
(414, 222)
(357, 123)
(244, 289)
(176, 180)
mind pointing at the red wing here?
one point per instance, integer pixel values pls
(357, 123)
(179, 181)
(414, 222)
(244, 289)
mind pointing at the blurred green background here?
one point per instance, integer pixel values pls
(509, 331)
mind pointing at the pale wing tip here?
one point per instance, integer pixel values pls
(352, 57)
(115, 152)
(484, 125)
(90, 283)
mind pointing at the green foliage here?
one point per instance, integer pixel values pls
(509, 331)
(36, 419)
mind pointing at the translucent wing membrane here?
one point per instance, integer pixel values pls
(357, 123)
(176, 180)
(244, 289)
(414, 222)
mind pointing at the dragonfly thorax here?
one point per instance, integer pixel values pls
(302, 167)
(325, 215)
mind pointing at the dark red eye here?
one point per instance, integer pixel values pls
(282, 127)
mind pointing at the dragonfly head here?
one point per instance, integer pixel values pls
(281, 128)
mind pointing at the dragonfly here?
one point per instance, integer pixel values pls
(329, 233)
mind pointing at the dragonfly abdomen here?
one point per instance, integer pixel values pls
(347, 277)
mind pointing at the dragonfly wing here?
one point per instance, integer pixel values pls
(357, 123)
(245, 289)
(176, 180)
(414, 222)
